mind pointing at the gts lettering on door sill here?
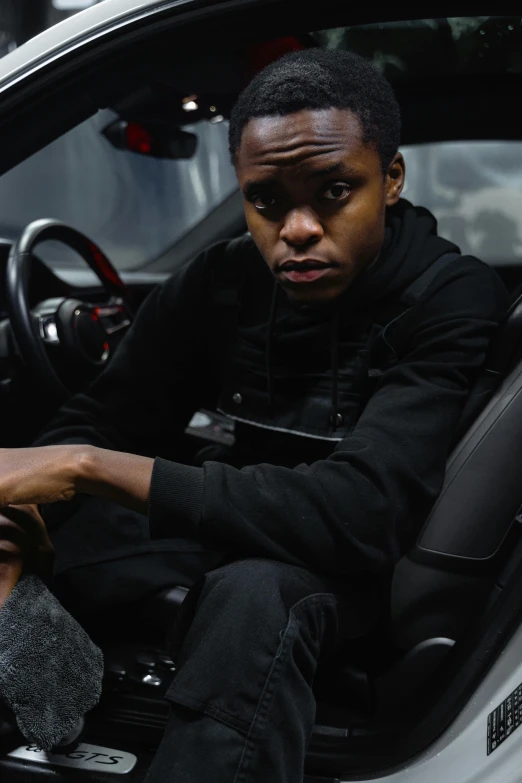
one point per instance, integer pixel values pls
(86, 757)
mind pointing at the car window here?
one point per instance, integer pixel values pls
(135, 207)
(416, 49)
(475, 191)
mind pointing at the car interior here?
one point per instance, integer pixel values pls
(154, 94)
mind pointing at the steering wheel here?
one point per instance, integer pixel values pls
(79, 336)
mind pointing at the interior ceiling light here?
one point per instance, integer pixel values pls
(190, 103)
(217, 118)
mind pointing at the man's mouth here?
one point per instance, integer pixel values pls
(305, 271)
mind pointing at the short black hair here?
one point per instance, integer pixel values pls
(322, 79)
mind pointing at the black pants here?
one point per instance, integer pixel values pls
(243, 707)
(248, 644)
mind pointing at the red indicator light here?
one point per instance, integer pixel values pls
(138, 139)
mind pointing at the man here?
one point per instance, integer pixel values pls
(342, 336)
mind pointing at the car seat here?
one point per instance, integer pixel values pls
(453, 574)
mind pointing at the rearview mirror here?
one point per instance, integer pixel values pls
(151, 140)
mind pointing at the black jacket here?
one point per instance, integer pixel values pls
(345, 414)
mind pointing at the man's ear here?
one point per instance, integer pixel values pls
(395, 180)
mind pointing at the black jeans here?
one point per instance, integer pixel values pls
(248, 642)
(243, 707)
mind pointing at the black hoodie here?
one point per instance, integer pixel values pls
(345, 414)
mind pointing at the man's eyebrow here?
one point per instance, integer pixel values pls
(252, 186)
(335, 168)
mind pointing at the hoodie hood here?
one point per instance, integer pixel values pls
(410, 246)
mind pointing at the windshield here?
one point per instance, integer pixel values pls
(135, 207)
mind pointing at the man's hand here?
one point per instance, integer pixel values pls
(23, 539)
(23, 535)
(40, 475)
(46, 474)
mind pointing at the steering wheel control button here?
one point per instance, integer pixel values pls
(49, 330)
(237, 398)
(113, 318)
(90, 334)
(83, 339)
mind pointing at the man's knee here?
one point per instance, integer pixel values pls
(257, 580)
(252, 610)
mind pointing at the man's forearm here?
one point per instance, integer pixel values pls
(116, 476)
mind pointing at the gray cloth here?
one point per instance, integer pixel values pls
(50, 670)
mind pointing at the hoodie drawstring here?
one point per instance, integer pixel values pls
(334, 367)
(269, 345)
(336, 419)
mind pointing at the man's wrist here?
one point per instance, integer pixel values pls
(113, 475)
(86, 467)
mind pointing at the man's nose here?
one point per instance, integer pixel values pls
(301, 228)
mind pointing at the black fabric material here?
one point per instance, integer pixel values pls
(338, 508)
(243, 690)
(354, 506)
(105, 560)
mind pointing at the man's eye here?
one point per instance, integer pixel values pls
(337, 192)
(262, 200)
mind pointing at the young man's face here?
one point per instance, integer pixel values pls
(315, 199)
